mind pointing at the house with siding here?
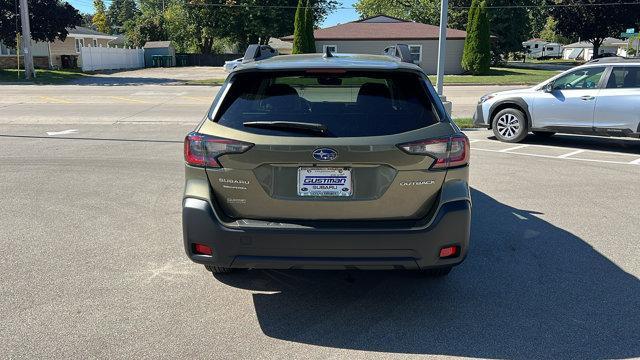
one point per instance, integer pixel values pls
(372, 35)
(59, 54)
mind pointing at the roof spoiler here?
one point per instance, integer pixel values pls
(400, 51)
(256, 52)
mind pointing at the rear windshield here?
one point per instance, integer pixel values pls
(346, 104)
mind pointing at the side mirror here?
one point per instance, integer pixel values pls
(548, 88)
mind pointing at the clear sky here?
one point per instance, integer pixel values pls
(339, 16)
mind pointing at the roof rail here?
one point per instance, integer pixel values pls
(256, 52)
(613, 60)
(400, 51)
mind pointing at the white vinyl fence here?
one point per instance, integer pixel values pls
(101, 58)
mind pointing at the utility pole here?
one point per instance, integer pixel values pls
(442, 41)
(26, 41)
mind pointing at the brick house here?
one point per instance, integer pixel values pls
(59, 54)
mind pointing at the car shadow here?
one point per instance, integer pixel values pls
(585, 142)
(527, 290)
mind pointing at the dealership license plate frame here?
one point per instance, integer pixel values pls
(335, 179)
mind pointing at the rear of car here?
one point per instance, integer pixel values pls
(324, 164)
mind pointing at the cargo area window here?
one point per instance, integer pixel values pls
(346, 103)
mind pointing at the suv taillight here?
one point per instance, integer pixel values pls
(204, 150)
(449, 152)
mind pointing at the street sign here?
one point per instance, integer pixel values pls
(631, 31)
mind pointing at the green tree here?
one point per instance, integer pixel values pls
(299, 25)
(147, 27)
(49, 20)
(310, 41)
(424, 11)
(593, 23)
(476, 57)
(120, 12)
(99, 19)
(179, 29)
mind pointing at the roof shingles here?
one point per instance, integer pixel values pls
(382, 31)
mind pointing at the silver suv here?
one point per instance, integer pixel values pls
(599, 98)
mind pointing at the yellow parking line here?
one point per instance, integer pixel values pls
(56, 100)
(201, 98)
(128, 99)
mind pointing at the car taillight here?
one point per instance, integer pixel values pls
(204, 150)
(449, 152)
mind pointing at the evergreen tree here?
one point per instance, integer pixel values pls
(299, 25)
(476, 57)
(310, 41)
(99, 19)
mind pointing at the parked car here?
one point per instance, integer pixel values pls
(231, 64)
(327, 162)
(601, 97)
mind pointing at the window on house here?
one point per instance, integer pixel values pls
(95, 42)
(528, 46)
(416, 53)
(536, 46)
(332, 48)
(79, 44)
(550, 48)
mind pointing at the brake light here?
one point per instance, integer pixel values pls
(449, 152)
(204, 150)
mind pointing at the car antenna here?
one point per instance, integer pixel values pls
(327, 52)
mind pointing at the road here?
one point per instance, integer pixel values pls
(93, 265)
(101, 104)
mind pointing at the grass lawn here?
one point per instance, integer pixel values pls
(464, 123)
(42, 76)
(210, 82)
(500, 76)
(555, 62)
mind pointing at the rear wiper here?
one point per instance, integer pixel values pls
(289, 125)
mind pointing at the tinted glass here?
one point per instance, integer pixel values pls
(580, 79)
(624, 77)
(348, 103)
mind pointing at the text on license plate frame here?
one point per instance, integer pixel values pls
(324, 182)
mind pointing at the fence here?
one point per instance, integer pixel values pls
(206, 59)
(101, 58)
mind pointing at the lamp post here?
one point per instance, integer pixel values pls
(442, 41)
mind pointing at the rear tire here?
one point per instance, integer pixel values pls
(218, 269)
(544, 134)
(510, 125)
(438, 272)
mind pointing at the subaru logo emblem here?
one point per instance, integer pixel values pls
(325, 154)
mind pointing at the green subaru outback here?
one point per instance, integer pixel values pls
(327, 161)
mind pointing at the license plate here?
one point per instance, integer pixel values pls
(324, 182)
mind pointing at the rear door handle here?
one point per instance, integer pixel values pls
(587, 97)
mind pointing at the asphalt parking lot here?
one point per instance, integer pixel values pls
(93, 264)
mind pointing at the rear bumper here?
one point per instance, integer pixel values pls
(254, 244)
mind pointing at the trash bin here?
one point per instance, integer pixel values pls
(156, 60)
(167, 60)
(181, 60)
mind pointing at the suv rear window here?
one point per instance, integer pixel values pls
(347, 104)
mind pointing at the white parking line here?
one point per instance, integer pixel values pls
(635, 162)
(561, 147)
(513, 148)
(570, 154)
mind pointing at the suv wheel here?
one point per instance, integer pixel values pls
(218, 269)
(510, 125)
